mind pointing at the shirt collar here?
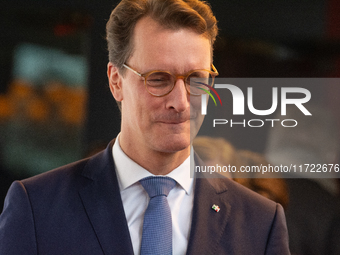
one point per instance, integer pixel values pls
(129, 172)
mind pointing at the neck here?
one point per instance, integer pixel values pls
(156, 162)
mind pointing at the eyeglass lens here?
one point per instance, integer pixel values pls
(160, 83)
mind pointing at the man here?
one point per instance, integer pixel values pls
(97, 205)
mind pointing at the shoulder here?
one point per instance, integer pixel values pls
(254, 207)
(245, 197)
(237, 195)
(55, 189)
(260, 216)
(69, 171)
(244, 205)
(241, 197)
(61, 179)
(248, 207)
(66, 180)
(247, 215)
(72, 175)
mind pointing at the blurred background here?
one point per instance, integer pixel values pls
(56, 107)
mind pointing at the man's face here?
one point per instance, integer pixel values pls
(162, 123)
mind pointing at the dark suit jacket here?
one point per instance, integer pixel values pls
(77, 209)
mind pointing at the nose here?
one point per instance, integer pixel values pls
(179, 98)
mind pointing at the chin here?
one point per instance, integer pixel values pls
(174, 144)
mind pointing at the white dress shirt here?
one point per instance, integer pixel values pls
(135, 199)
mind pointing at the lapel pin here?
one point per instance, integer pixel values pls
(216, 208)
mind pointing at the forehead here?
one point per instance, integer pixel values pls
(158, 47)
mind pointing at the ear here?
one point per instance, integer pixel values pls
(115, 81)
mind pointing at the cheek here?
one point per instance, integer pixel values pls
(133, 97)
(139, 109)
(195, 114)
(195, 106)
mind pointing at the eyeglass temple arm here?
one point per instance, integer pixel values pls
(214, 69)
(126, 66)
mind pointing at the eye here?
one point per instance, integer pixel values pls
(199, 74)
(199, 78)
(159, 79)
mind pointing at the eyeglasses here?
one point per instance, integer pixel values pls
(161, 83)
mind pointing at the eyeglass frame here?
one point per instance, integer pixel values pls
(213, 74)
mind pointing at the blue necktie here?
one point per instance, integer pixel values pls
(157, 225)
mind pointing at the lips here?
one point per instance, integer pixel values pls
(176, 118)
(173, 122)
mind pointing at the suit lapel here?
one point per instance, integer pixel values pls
(103, 204)
(207, 225)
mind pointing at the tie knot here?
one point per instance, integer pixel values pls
(158, 185)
